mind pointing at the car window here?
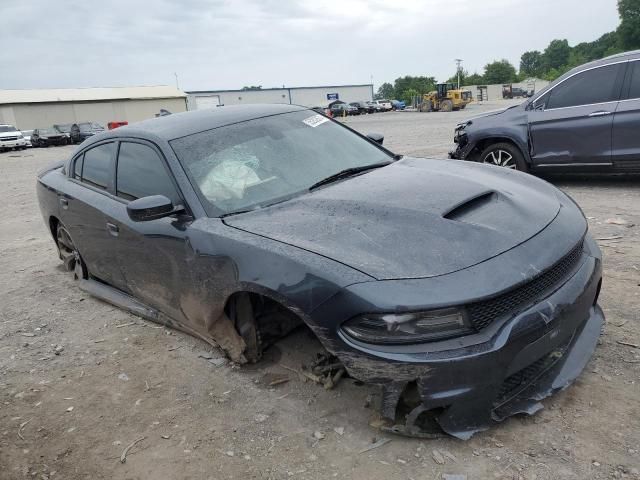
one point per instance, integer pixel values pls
(141, 172)
(598, 85)
(77, 167)
(96, 168)
(634, 82)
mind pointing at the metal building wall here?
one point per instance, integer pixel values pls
(306, 96)
(37, 115)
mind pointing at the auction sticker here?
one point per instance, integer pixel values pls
(315, 120)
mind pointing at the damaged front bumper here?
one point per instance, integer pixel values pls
(520, 361)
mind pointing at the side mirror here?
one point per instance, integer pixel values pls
(376, 137)
(150, 208)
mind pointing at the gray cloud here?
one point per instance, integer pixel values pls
(214, 44)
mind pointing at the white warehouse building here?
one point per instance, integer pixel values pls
(305, 96)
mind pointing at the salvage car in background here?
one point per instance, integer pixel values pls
(585, 121)
(11, 137)
(240, 223)
(363, 107)
(27, 137)
(45, 137)
(81, 131)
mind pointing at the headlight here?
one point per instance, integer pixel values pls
(407, 328)
(20, 136)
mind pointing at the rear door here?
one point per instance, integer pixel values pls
(626, 123)
(82, 210)
(571, 126)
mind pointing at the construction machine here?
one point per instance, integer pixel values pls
(445, 98)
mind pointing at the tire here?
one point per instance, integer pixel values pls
(446, 105)
(426, 106)
(504, 155)
(69, 254)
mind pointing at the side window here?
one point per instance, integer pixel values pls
(634, 83)
(592, 86)
(77, 167)
(96, 168)
(141, 172)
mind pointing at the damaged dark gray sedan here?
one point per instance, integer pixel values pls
(467, 292)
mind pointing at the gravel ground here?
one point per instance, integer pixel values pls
(81, 380)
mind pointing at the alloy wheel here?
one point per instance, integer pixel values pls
(69, 254)
(501, 158)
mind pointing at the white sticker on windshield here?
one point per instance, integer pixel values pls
(315, 120)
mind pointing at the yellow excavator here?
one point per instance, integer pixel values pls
(445, 98)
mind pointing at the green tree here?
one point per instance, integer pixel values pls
(385, 91)
(420, 84)
(531, 64)
(556, 55)
(408, 95)
(500, 71)
(629, 29)
(474, 79)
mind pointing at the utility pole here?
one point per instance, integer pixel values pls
(176, 75)
(458, 69)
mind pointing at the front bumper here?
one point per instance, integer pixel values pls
(19, 143)
(526, 358)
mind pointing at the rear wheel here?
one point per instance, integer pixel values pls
(446, 106)
(504, 155)
(69, 254)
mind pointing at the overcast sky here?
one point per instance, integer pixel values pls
(219, 44)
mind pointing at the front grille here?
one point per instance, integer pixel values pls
(8, 139)
(511, 302)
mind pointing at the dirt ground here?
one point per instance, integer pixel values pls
(81, 380)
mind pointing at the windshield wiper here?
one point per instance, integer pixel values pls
(347, 172)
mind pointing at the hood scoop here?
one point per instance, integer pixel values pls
(466, 208)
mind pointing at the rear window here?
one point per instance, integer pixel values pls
(96, 169)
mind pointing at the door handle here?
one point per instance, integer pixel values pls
(113, 229)
(64, 202)
(601, 113)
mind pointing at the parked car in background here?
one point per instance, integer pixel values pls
(27, 137)
(585, 121)
(64, 128)
(45, 137)
(377, 108)
(398, 104)
(237, 225)
(363, 107)
(81, 131)
(343, 109)
(385, 104)
(11, 137)
(509, 91)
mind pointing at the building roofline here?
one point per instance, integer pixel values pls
(193, 92)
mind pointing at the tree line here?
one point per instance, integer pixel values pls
(555, 60)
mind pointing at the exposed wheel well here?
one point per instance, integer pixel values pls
(260, 321)
(53, 226)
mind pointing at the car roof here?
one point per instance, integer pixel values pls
(178, 125)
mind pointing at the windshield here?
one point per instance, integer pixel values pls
(7, 128)
(263, 161)
(64, 128)
(48, 131)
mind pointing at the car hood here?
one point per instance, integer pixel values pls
(414, 218)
